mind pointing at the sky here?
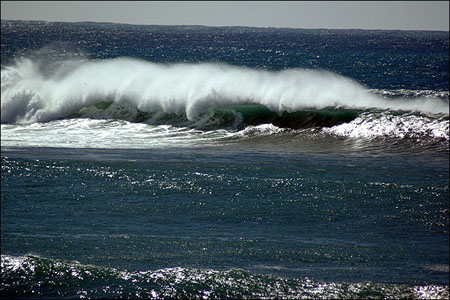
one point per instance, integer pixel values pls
(403, 15)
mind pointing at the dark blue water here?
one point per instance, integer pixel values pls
(255, 211)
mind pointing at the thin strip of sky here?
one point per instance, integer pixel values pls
(404, 15)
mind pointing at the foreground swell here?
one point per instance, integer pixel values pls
(31, 277)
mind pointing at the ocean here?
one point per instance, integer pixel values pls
(223, 162)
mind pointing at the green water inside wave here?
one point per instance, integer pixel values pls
(238, 116)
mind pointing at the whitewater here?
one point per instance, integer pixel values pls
(34, 91)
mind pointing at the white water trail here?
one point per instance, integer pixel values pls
(34, 91)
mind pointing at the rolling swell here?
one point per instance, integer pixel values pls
(31, 277)
(39, 91)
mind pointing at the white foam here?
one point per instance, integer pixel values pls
(373, 125)
(34, 92)
(261, 130)
(108, 134)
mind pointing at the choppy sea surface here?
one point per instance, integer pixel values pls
(223, 162)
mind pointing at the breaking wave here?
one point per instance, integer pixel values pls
(38, 91)
(128, 103)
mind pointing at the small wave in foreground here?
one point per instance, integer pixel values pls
(31, 277)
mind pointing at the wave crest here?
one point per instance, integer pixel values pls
(40, 91)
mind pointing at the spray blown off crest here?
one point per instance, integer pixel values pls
(39, 92)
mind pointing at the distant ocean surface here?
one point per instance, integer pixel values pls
(223, 162)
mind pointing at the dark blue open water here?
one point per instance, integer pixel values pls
(197, 162)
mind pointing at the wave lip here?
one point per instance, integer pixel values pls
(24, 276)
(34, 91)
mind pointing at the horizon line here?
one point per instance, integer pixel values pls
(220, 26)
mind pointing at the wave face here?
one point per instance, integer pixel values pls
(33, 91)
(30, 277)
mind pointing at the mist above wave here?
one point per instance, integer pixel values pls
(40, 91)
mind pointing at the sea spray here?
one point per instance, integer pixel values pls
(30, 94)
